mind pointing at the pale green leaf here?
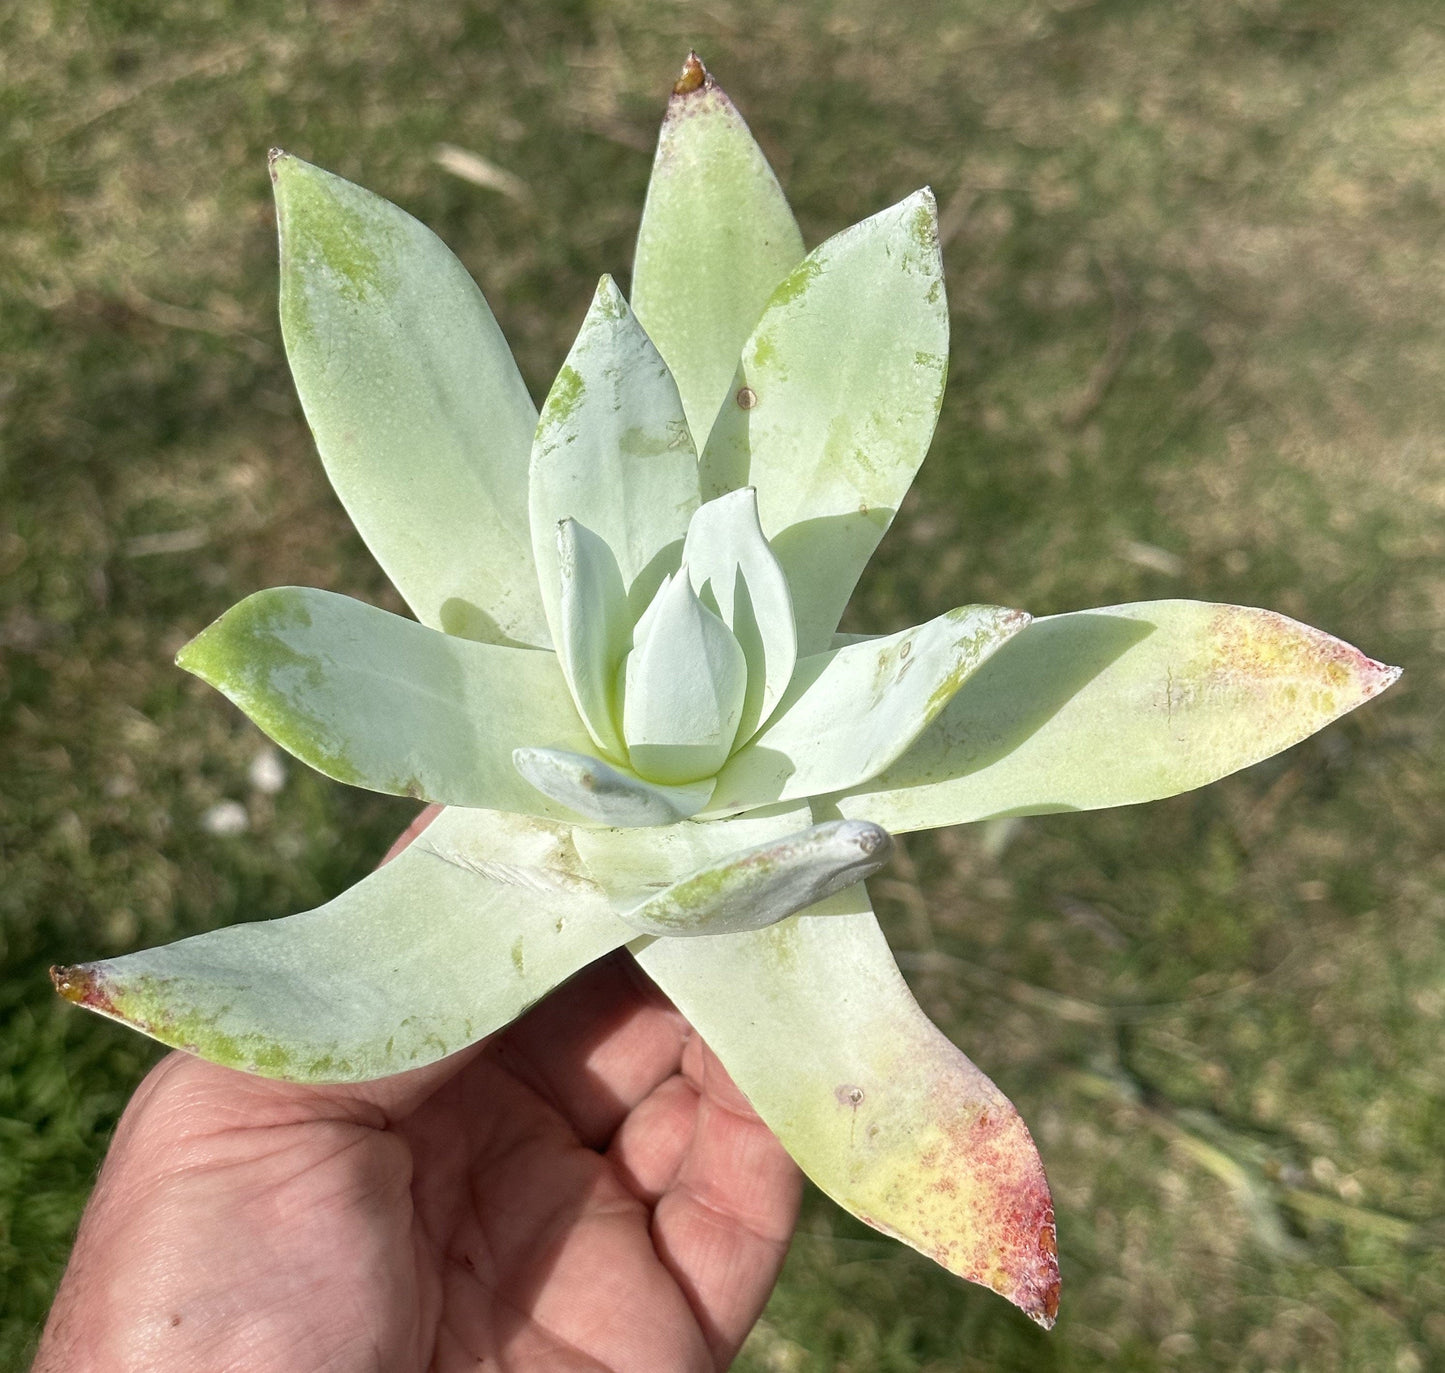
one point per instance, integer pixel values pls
(382, 702)
(834, 404)
(595, 629)
(716, 237)
(612, 452)
(1127, 703)
(419, 412)
(607, 795)
(734, 572)
(684, 687)
(483, 914)
(761, 885)
(852, 711)
(816, 1026)
(633, 864)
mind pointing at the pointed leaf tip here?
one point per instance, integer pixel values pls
(694, 76)
(80, 985)
(1384, 676)
(1028, 1252)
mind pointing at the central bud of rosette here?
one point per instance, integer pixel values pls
(689, 689)
(668, 692)
(682, 686)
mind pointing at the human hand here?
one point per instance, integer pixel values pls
(585, 1191)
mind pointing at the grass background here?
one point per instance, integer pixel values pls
(1194, 256)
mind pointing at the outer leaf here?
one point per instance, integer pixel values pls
(594, 629)
(1124, 704)
(815, 1024)
(419, 412)
(734, 571)
(763, 885)
(850, 712)
(632, 864)
(685, 684)
(607, 795)
(480, 917)
(834, 404)
(384, 703)
(612, 451)
(716, 237)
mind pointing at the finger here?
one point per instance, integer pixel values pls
(724, 1225)
(409, 834)
(648, 1149)
(596, 1047)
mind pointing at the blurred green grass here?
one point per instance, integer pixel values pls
(1194, 260)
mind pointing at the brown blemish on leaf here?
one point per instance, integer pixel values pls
(746, 398)
(694, 76)
(82, 985)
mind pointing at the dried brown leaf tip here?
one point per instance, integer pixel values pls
(80, 985)
(694, 76)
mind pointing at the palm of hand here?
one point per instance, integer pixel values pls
(586, 1191)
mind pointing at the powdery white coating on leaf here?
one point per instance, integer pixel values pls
(612, 452)
(1114, 706)
(593, 629)
(419, 412)
(733, 569)
(716, 237)
(630, 864)
(604, 794)
(445, 944)
(684, 682)
(850, 712)
(756, 887)
(379, 701)
(815, 1024)
(843, 379)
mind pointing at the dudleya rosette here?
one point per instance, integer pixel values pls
(625, 683)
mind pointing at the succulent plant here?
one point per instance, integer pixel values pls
(625, 682)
